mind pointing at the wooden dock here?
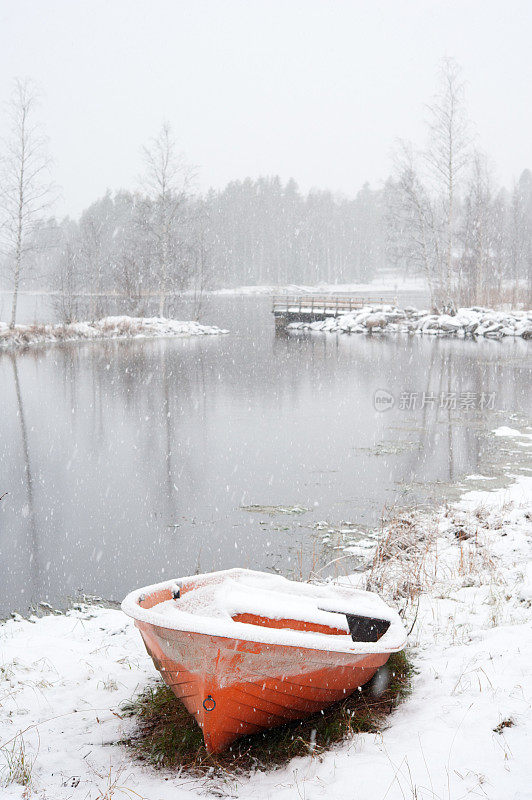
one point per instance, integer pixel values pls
(313, 307)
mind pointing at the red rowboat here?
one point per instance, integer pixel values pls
(247, 650)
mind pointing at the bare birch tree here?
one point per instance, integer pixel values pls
(25, 189)
(167, 181)
(430, 187)
(447, 156)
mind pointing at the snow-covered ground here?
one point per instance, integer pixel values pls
(466, 322)
(466, 730)
(384, 284)
(106, 328)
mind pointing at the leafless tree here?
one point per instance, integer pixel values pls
(520, 235)
(201, 260)
(167, 182)
(447, 156)
(25, 189)
(97, 229)
(430, 185)
(68, 272)
(417, 221)
(477, 266)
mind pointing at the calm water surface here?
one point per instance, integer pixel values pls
(129, 462)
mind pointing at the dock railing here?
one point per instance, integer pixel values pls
(327, 305)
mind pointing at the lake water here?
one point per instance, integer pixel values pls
(129, 462)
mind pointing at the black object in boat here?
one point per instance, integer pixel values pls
(363, 629)
(366, 629)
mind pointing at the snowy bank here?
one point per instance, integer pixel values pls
(471, 322)
(463, 573)
(106, 328)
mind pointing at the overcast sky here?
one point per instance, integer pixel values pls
(314, 89)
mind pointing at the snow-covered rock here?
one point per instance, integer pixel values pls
(524, 329)
(447, 323)
(473, 322)
(377, 320)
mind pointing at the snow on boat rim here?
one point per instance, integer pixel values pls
(220, 595)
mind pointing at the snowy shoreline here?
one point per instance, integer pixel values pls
(377, 286)
(464, 574)
(467, 322)
(122, 327)
(387, 285)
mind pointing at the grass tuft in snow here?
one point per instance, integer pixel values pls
(167, 736)
(18, 765)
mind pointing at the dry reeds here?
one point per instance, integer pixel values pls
(401, 567)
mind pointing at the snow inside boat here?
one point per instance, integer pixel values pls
(246, 650)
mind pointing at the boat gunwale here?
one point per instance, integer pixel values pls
(392, 641)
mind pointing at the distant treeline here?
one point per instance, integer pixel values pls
(266, 232)
(252, 232)
(440, 214)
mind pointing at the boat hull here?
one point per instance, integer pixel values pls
(235, 687)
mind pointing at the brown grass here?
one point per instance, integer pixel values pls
(401, 568)
(24, 335)
(166, 735)
(516, 296)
